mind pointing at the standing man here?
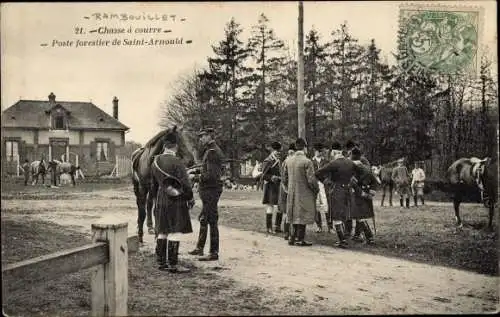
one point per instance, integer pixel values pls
(272, 179)
(339, 173)
(321, 204)
(26, 171)
(284, 192)
(401, 179)
(417, 183)
(210, 189)
(302, 187)
(174, 197)
(362, 203)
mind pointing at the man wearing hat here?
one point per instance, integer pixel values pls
(271, 175)
(302, 187)
(417, 182)
(336, 151)
(361, 203)
(321, 203)
(401, 179)
(339, 173)
(174, 197)
(284, 191)
(209, 189)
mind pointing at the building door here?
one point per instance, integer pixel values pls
(58, 150)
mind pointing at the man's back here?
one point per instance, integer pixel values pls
(400, 175)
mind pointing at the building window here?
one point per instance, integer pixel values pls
(102, 151)
(12, 150)
(58, 123)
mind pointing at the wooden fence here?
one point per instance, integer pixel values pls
(123, 166)
(108, 252)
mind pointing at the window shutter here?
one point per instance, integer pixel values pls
(93, 150)
(112, 151)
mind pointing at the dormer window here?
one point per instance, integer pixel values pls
(58, 122)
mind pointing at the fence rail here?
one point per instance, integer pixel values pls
(108, 252)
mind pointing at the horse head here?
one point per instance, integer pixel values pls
(184, 151)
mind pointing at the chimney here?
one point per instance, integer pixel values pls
(52, 98)
(115, 108)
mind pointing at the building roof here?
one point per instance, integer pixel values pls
(81, 115)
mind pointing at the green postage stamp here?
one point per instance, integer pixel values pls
(440, 39)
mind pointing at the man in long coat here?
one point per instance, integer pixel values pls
(302, 187)
(283, 192)
(272, 178)
(339, 173)
(362, 203)
(174, 198)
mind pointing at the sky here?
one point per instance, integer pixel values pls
(142, 77)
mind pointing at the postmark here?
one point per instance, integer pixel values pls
(440, 39)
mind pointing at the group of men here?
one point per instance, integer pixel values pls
(339, 184)
(174, 199)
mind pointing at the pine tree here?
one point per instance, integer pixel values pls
(315, 85)
(267, 52)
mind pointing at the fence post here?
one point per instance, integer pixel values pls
(110, 281)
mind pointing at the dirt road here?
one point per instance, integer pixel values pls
(340, 281)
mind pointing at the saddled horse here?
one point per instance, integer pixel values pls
(64, 168)
(384, 173)
(142, 159)
(38, 168)
(483, 173)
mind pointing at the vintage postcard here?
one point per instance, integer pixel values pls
(249, 158)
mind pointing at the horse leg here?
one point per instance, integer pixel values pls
(140, 195)
(390, 194)
(383, 196)
(73, 179)
(457, 199)
(149, 214)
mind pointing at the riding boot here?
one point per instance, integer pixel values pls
(422, 199)
(269, 223)
(415, 200)
(368, 232)
(401, 202)
(357, 232)
(293, 234)
(348, 228)
(162, 254)
(301, 234)
(342, 243)
(277, 224)
(173, 258)
(286, 226)
(407, 202)
(202, 239)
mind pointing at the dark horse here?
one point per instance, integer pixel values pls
(466, 172)
(141, 173)
(384, 173)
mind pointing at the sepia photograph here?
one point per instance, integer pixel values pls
(249, 158)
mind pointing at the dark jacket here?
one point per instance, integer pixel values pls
(171, 213)
(212, 166)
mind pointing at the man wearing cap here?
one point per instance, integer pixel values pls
(321, 203)
(339, 173)
(284, 192)
(302, 187)
(210, 189)
(271, 175)
(417, 183)
(401, 179)
(174, 197)
(336, 151)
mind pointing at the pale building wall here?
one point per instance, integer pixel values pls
(27, 136)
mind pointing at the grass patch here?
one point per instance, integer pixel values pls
(151, 292)
(424, 234)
